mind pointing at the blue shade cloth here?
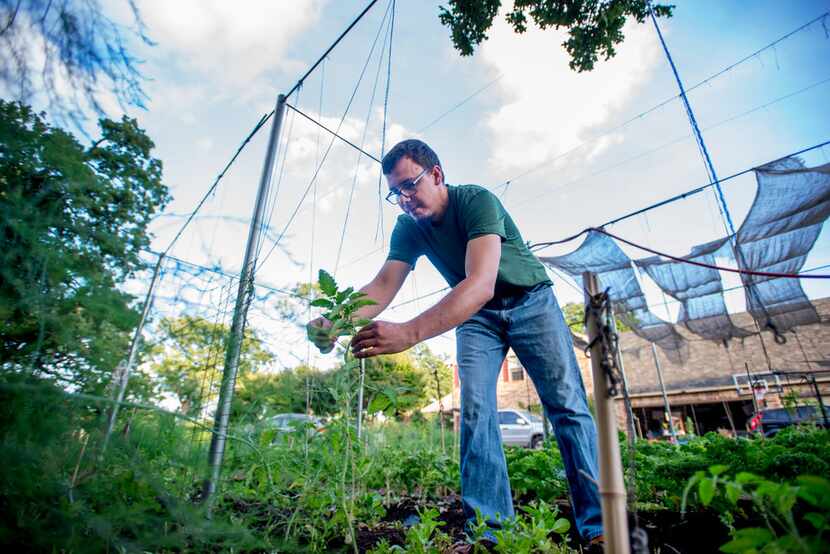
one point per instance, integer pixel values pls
(601, 255)
(698, 289)
(791, 204)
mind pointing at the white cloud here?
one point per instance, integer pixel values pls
(232, 41)
(548, 107)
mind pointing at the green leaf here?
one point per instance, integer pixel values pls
(818, 520)
(744, 478)
(561, 526)
(378, 404)
(362, 322)
(706, 491)
(343, 295)
(327, 283)
(718, 469)
(814, 490)
(746, 539)
(322, 303)
(733, 492)
(363, 302)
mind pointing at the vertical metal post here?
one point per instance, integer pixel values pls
(360, 398)
(611, 484)
(814, 382)
(632, 432)
(729, 417)
(124, 377)
(246, 276)
(666, 405)
(694, 418)
(755, 406)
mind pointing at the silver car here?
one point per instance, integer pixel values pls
(521, 428)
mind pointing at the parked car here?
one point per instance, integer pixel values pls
(288, 423)
(521, 428)
(775, 419)
(284, 425)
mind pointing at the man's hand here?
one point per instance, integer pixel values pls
(382, 337)
(319, 332)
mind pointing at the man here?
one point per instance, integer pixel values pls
(501, 298)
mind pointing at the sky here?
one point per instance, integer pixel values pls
(570, 144)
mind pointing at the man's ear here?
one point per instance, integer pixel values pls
(439, 176)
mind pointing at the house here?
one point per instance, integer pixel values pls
(716, 386)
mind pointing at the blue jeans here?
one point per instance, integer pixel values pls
(533, 326)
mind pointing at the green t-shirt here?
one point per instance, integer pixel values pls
(472, 211)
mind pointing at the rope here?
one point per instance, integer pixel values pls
(330, 48)
(665, 102)
(385, 116)
(322, 161)
(219, 177)
(663, 145)
(769, 274)
(459, 104)
(362, 142)
(347, 141)
(541, 245)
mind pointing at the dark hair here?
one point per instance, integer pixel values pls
(416, 150)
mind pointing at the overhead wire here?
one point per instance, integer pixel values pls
(330, 48)
(667, 144)
(385, 117)
(540, 245)
(664, 102)
(320, 165)
(362, 140)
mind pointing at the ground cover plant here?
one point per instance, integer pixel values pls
(326, 492)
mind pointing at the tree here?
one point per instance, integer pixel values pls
(78, 47)
(189, 356)
(594, 26)
(575, 318)
(436, 370)
(73, 220)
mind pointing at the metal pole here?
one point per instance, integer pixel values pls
(246, 276)
(812, 380)
(666, 405)
(360, 398)
(611, 484)
(632, 433)
(755, 407)
(131, 357)
(729, 417)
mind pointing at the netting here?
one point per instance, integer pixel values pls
(791, 205)
(599, 254)
(698, 289)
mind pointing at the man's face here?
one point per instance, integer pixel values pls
(423, 201)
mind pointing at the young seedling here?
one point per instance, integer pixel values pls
(341, 306)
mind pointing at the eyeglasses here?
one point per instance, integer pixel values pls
(405, 189)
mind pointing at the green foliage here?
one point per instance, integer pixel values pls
(341, 305)
(663, 469)
(536, 473)
(575, 318)
(189, 354)
(796, 516)
(527, 533)
(73, 220)
(594, 28)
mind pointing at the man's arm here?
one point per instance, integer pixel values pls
(383, 288)
(481, 266)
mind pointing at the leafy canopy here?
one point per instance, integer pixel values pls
(73, 220)
(594, 26)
